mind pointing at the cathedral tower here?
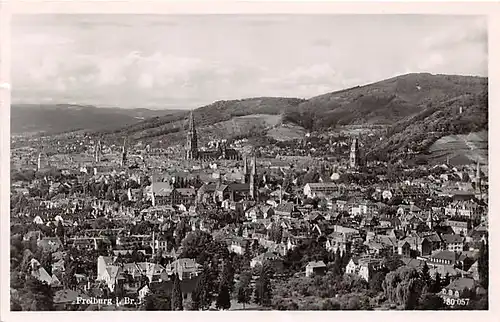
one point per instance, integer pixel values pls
(42, 161)
(123, 160)
(479, 182)
(245, 169)
(253, 178)
(97, 152)
(354, 154)
(191, 140)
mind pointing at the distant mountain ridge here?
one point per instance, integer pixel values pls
(55, 118)
(385, 102)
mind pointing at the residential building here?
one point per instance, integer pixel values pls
(312, 190)
(453, 242)
(459, 288)
(270, 258)
(315, 268)
(185, 268)
(364, 267)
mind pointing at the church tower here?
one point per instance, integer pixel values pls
(97, 152)
(430, 220)
(245, 169)
(41, 161)
(354, 161)
(253, 178)
(123, 160)
(479, 180)
(191, 140)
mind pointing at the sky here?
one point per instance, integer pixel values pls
(187, 61)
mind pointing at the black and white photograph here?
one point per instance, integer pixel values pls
(249, 162)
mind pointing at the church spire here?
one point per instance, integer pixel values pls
(191, 139)
(254, 166)
(245, 169)
(430, 220)
(253, 178)
(354, 154)
(479, 180)
(98, 149)
(192, 128)
(124, 152)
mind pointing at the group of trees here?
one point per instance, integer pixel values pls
(213, 287)
(29, 294)
(417, 290)
(483, 265)
(327, 292)
(263, 288)
(201, 246)
(403, 287)
(297, 259)
(33, 296)
(244, 288)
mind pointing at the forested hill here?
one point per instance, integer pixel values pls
(55, 118)
(416, 109)
(386, 102)
(464, 114)
(206, 116)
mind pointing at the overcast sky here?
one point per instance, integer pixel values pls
(159, 61)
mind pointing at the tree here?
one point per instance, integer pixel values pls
(337, 264)
(69, 278)
(196, 298)
(200, 245)
(263, 290)
(276, 232)
(298, 258)
(177, 295)
(37, 296)
(437, 285)
(403, 286)
(446, 280)
(202, 295)
(426, 277)
(158, 301)
(483, 265)
(346, 257)
(244, 289)
(392, 263)
(180, 231)
(226, 286)
(376, 281)
(223, 298)
(353, 303)
(60, 230)
(227, 277)
(248, 251)
(430, 301)
(109, 193)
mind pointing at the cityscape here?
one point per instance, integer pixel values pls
(364, 196)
